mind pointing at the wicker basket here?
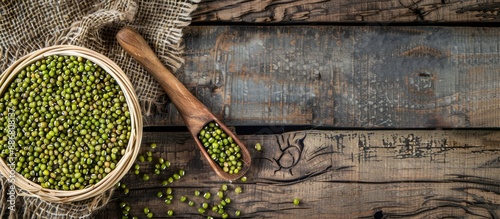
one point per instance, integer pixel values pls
(30, 188)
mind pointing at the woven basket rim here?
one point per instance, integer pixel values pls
(29, 188)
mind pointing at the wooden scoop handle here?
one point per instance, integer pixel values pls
(194, 113)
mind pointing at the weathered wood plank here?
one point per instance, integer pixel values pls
(337, 174)
(337, 76)
(256, 11)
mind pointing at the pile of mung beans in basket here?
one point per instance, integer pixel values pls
(72, 123)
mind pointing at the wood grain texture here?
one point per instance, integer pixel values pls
(337, 76)
(337, 174)
(386, 11)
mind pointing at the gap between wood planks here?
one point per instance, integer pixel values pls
(352, 24)
(280, 129)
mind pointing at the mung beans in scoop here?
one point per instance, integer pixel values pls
(72, 122)
(221, 148)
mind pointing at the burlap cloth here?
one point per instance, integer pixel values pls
(26, 26)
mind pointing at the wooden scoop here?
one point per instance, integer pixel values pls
(193, 112)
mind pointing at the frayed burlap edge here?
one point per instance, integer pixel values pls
(27, 206)
(32, 207)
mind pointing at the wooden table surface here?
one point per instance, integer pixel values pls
(364, 109)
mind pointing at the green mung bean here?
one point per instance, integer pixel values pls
(224, 187)
(167, 163)
(141, 158)
(220, 194)
(221, 211)
(123, 204)
(183, 198)
(296, 201)
(176, 176)
(207, 195)
(258, 147)
(238, 190)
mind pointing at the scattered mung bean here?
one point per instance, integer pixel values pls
(258, 147)
(296, 201)
(238, 190)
